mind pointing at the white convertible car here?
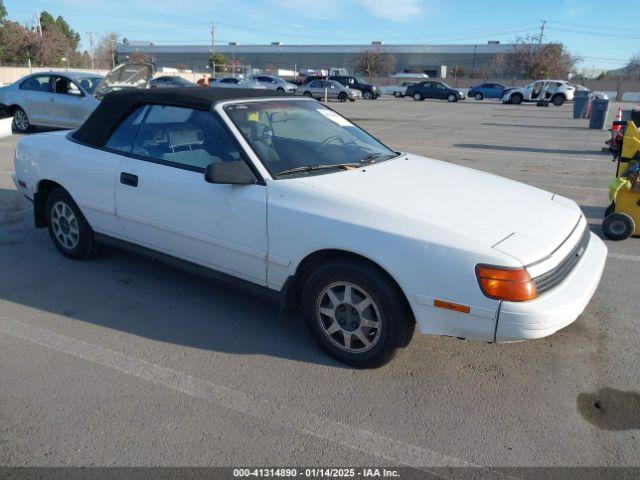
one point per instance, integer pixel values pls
(288, 198)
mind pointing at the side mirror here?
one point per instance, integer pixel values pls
(236, 172)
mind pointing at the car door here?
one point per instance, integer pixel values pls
(36, 95)
(70, 106)
(164, 202)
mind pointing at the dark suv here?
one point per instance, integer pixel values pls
(431, 89)
(369, 91)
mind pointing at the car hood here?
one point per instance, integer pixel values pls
(521, 221)
(126, 75)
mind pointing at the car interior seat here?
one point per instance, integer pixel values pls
(186, 147)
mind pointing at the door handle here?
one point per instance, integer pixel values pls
(129, 179)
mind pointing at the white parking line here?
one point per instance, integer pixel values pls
(622, 256)
(347, 435)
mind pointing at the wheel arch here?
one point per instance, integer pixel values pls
(295, 283)
(43, 189)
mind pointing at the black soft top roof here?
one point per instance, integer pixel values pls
(117, 105)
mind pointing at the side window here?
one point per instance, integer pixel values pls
(38, 83)
(124, 136)
(66, 87)
(184, 138)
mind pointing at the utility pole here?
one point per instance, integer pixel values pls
(39, 25)
(91, 49)
(542, 25)
(473, 65)
(213, 49)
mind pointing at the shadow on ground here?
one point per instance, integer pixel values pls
(510, 148)
(142, 297)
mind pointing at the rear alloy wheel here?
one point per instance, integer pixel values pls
(478, 96)
(557, 100)
(618, 226)
(368, 95)
(516, 99)
(397, 94)
(356, 314)
(69, 230)
(452, 98)
(417, 97)
(343, 97)
(21, 120)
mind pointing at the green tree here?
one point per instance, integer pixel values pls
(3, 11)
(220, 61)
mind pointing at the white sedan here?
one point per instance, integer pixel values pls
(284, 196)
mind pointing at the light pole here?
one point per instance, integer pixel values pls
(473, 65)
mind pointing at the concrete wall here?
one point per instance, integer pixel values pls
(11, 74)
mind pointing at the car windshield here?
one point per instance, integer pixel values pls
(88, 83)
(360, 80)
(303, 137)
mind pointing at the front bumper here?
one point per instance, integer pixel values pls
(557, 308)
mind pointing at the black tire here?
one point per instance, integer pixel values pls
(397, 94)
(417, 97)
(82, 245)
(389, 307)
(610, 209)
(368, 95)
(478, 96)
(618, 226)
(307, 94)
(342, 97)
(279, 89)
(516, 98)
(452, 98)
(557, 99)
(21, 121)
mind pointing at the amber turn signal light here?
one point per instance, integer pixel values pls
(509, 284)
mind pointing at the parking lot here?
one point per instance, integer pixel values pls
(125, 361)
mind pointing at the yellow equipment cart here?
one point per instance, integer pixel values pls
(622, 218)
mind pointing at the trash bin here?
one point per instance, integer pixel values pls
(580, 101)
(599, 111)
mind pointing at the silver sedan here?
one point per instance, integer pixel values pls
(332, 89)
(51, 99)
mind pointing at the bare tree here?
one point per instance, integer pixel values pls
(633, 68)
(496, 65)
(373, 62)
(105, 53)
(139, 57)
(530, 59)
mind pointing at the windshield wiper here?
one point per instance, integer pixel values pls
(321, 166)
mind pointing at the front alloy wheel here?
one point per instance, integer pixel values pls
(356, 313)
(452, 98)
(368, 95)
(478, 96)
(349, 317)
(417, 97)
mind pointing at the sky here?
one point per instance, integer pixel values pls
(577, 24)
